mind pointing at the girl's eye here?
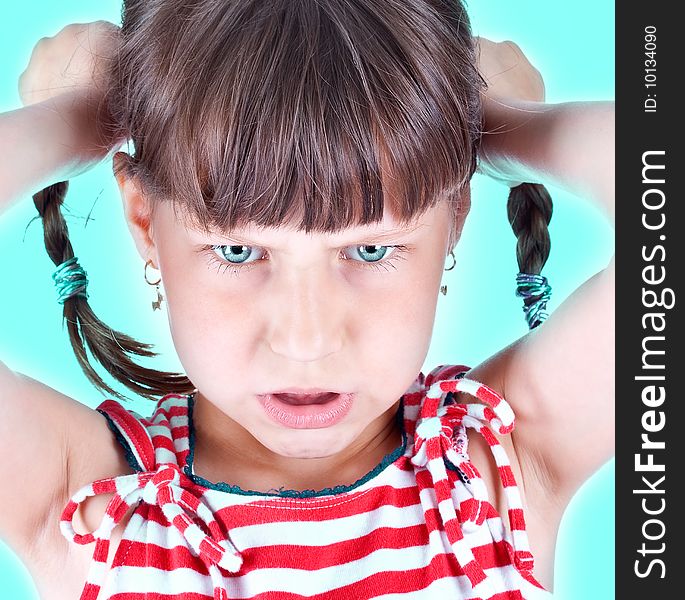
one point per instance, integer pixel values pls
(236, 255)
(374, 256)
(237, 258)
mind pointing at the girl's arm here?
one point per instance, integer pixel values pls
(42, 432)
(44, 143)
(560, 377)
(62, 130)
(570, 145)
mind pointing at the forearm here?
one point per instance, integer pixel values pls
(45, 143)
(569, 145)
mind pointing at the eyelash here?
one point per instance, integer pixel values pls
(236, 268)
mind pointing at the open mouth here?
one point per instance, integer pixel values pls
(307, 411)
(303, 399)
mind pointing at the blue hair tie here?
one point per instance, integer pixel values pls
(70, 280)
(535, 292)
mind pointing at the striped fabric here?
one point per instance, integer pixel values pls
(417, 526)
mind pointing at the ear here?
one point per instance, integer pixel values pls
(137, 208)
(463, 209)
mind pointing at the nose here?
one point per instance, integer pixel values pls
(306, 317)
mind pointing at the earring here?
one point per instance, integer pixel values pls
(157, 304)
(454, 261)
(443, 289)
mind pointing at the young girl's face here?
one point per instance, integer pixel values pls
(266, 309)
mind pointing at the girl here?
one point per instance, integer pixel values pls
(316, 157)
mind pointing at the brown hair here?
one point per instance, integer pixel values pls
(282, 112)
(529, 209)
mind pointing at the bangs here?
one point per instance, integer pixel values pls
(319, 115)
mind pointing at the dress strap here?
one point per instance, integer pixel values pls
(165, 488)
(437, 427)
(131, 434)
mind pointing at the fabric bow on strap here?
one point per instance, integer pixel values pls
(179, 506)
(441, 434)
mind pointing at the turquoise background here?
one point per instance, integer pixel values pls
(572, 44)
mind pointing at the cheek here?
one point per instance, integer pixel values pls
(417, 298)
(397, 336)
(212, 330)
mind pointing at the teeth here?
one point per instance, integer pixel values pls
(307, 399)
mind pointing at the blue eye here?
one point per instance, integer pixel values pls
(236, 255)
(371, 254)
(378, 257)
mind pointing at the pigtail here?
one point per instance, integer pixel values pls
(530, 210)
(112, 349)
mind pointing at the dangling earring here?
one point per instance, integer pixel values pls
(157, 304)
(443, 289)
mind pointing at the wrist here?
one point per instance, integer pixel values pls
(509, 128)
(74, 126)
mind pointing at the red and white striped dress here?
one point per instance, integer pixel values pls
(417, 526)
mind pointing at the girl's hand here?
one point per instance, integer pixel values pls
(507, 71)
(68, 77)
(77, 59)
(510, 77)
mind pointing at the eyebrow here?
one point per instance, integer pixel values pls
(370, 235)
(390, 233)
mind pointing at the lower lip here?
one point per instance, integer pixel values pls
(307, 416)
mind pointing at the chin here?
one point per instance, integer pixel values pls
(306, 443)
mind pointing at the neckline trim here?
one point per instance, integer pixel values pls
(222, 486)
